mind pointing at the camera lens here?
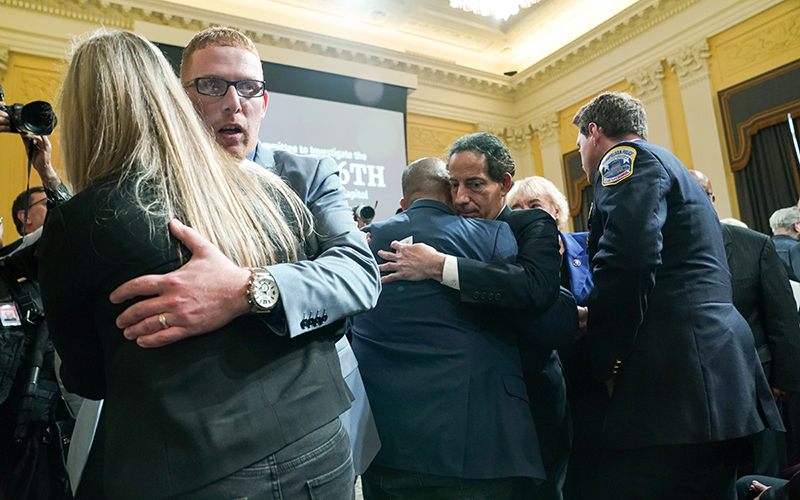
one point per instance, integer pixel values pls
(37, 118)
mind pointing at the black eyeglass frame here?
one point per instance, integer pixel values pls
(196, 83)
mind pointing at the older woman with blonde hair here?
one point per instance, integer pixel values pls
(201, 418)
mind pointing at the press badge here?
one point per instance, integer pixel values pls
(617, 165)
(9, 316)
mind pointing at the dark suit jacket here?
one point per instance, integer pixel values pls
(181, 416)
(789, 252)
(444, 379)
(660, 313)
(530, 286)
(762, 294)
(533, 283)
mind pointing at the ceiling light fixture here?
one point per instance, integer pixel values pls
(501, 9)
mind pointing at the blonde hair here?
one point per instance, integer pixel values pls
(125, 114)
(541, 188)
(217, 36)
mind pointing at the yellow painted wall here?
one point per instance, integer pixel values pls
(538, 161)
(751, 48)
(29, 78)
(676, 116)
(429, 136)
(755, 46)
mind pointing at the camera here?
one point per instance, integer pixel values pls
(36, 118)
(364, 213)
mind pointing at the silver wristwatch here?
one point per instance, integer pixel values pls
(263, 291)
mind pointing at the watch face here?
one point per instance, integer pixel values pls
(265, 293)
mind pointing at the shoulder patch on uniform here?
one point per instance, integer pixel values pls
(617, 165)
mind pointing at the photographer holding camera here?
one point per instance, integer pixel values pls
(34, 423)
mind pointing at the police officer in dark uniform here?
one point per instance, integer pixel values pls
(685, 383)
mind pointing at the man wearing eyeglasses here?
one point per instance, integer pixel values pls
(222, 74)
(36, 202)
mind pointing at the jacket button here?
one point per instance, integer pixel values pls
(483, 296)
(304, 323)
(491, 296)
(476, 296)
(497, 296)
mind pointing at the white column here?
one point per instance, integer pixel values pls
(548, 129)
(690, 64)
(519, 141)
(647, 86)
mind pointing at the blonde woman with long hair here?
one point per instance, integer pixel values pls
(203, 417)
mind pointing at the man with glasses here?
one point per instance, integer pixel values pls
(35, 201)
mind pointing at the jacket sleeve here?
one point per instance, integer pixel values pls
(342, 278)
(68, 307)
(781, 328)
(555, 328)
(631, 215)
(532, 283)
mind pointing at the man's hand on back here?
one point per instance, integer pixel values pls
(415, 262)
(205, 294)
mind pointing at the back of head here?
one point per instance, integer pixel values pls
(20, 202)
(125, 115)
(426, 178)
(542, 189)
(618, 114)
(782, 221)
(217, 36)
(498, 158)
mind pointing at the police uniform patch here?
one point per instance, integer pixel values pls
(617, 165)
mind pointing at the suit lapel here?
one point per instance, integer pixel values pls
(726, 238)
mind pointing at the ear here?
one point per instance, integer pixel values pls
(796, 227)
(21, 216)
(266, 102)
(403, 204)
(507, 183)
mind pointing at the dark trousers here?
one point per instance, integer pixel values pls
(385, 483)
(704, 471)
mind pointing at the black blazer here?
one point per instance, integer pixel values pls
(181, 416)
(660, 313)
(762, 294)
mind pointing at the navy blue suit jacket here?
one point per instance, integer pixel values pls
(444, 378)
(661, 314)
(580, 275)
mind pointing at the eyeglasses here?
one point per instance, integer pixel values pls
(209, 85)
(37, 202)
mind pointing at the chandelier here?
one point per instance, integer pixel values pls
(501, 9)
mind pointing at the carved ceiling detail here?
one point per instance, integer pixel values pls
(429, 70)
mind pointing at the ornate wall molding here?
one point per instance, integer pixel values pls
(547, 128)
(440, 74)
(601, 44)
(3, 63)
(646, 83)
(691, 61)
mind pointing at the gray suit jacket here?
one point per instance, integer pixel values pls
(344, 260)
(341, 279)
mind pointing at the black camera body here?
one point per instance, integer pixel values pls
(36, 118)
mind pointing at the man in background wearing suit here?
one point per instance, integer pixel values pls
(444, 378)
(481, 170)
(785, 223)
(679, 361)
(761, 293)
